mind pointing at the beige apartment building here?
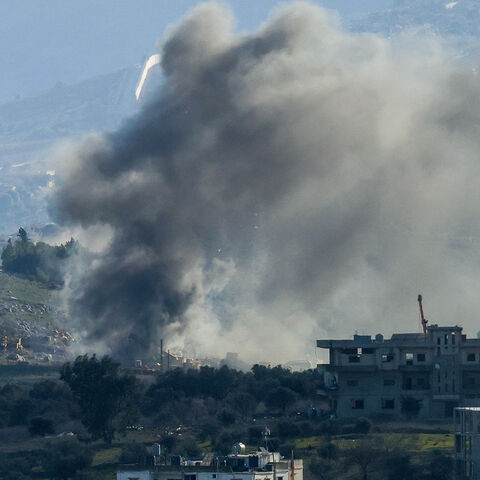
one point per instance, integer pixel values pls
(425, 374)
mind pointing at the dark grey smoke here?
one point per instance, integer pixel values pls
(285, 184)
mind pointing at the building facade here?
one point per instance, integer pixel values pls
(409, 374)
(260, 465)
(467, 442)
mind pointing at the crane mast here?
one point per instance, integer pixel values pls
(422, 316)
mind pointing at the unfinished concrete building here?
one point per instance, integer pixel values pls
(425, 374)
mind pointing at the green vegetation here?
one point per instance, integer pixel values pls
(38, 261)
(193, 412)
(108, 399)
(23, 300)
(61, 460)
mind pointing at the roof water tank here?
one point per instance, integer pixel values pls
(238, 448)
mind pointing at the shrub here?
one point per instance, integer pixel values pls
(227, 417)
(133, 453)
(363, 425)
(288, 430)
(64, 458)
(40, 426)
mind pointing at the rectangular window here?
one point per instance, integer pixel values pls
(350, 351)
(357, 404)
(387, 357)
(420, 382)
(352, 383)
(354, 359)
(420, 357)
(367, 351)
(409, 358)
(471, 357)
(388, 382)
(458, 443)
(388, 403)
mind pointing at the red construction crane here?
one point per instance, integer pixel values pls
(422, 316)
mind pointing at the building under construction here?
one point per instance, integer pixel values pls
(413, 374)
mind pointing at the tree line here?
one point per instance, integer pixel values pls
(37, 261)
(195, 411)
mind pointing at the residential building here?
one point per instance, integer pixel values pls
(425, 374)
(261, 465)
(467, 442)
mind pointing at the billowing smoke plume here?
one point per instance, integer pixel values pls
(284, 185)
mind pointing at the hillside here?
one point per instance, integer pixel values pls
(27, 312)
(460, 18)
(31, 126)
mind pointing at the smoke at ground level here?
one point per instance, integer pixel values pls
(285, 185)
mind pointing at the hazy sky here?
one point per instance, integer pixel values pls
(46, 41)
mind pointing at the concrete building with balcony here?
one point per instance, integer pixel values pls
(425, 374)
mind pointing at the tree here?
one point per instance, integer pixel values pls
(244, 403)
(323, 469)
(133, 453)
(8, 253)
(362, 455)
(287, 429)
(227, 417)
(39, 261)
(280, 397)
(40, 426)
(398, 467)
(64, 458)
(328, 450)
(108, 399)
(22, 235)
(440, 466)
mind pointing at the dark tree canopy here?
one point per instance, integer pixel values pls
(107, 397)
(63, 459)
(41, 426)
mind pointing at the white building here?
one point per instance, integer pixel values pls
(467, 442)
(261, 465)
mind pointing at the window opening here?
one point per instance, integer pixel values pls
(409, 358)
(388, 403)
(358, 404)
